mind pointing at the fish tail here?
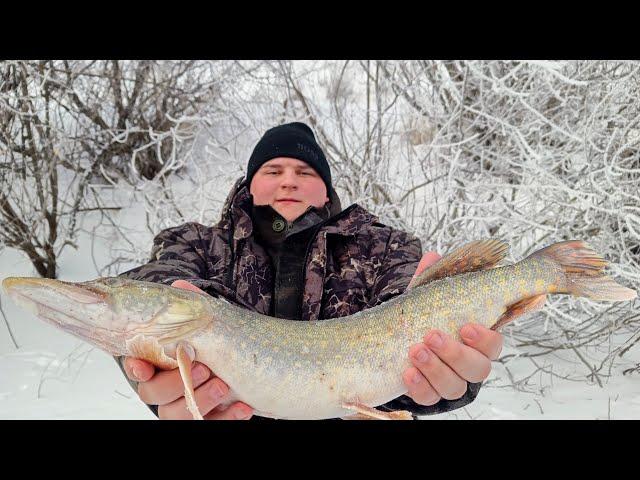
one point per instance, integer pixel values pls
(583, 272)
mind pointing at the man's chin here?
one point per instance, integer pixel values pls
(290, 212)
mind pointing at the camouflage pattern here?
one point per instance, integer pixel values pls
(353, 263)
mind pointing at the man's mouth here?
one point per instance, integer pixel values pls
(288, 200)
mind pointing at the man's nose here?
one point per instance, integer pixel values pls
(289, 179)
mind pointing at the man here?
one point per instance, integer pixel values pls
(284, 247)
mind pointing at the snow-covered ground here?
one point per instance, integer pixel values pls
(53, 375)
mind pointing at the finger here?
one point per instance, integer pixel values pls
(183, 284)
(167, 386)
(426, 261)
(470, 364)
(138, 370)
(235, 411)
(207, 397)
(419, 388)
(442, 378)
(486, 341)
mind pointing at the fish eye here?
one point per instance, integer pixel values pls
(108, 281)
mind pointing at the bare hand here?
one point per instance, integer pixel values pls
(442, 366)
(165, 388)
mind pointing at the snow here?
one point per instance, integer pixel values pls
(54, 375)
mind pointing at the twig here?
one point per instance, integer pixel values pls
(539, 406)
(122, 394)
(6, 322)
(594, 374)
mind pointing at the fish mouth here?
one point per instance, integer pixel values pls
(77, 308)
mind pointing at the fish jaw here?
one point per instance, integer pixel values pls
(79, 309)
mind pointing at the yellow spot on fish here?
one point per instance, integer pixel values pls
(539, 286)
(452, 326)
(522, 288)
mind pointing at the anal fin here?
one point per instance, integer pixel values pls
(521, 307)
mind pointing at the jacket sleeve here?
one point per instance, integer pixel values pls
(399, 254)
(179, 253)
(400, 260)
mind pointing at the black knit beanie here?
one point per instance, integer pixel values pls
(294, 140)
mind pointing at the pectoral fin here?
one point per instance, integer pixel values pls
(471, 257)
(148, 348)
(186, 355)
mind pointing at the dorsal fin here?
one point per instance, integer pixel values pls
(471, 257)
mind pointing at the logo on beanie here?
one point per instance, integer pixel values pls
(307, 150)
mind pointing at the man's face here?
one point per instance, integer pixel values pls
(289, 185)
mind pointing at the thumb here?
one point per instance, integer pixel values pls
(426, 261)
(183, 284)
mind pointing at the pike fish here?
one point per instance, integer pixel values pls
(341, 367)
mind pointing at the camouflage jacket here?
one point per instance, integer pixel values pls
(352, 263)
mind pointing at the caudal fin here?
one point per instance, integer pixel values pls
(583, 269)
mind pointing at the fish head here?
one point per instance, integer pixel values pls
(107, 312)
